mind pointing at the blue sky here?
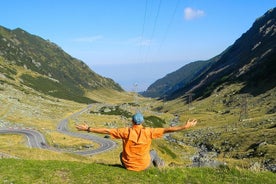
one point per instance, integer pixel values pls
(136, 41)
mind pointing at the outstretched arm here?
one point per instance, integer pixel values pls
(188, 124)
(85, 127)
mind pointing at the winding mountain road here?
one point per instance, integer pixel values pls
(37, 140)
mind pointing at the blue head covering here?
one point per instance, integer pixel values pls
(138, 118)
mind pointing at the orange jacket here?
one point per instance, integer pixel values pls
(136, 145)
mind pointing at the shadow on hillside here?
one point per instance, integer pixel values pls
(261, 79)
(256, 88)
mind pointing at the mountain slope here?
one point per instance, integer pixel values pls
(175, 80)
(55, 72)
(166, 86)
(250, 60)
(252, 56)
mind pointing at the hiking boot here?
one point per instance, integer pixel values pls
(159, 163)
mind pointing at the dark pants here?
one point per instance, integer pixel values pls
(155, 159)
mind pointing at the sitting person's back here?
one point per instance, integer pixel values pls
(137, 140)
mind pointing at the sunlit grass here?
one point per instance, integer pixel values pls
(104, 95)
(16, 146)
(11, 140)
(32, 171)
(65, 141)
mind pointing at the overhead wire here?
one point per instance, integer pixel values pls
(143, 28)
(141, 44)
(147, 47)
(146, 44)
(153, 31)
(155, 20)
(169, 25)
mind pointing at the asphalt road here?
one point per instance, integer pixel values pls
(37, 140)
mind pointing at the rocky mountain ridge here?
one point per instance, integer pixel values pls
(250, 60)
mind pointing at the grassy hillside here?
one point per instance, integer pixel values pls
(23, 79)
(240, 128)
(238, 141)
(32, 171)
(56, 73)
(241, 140)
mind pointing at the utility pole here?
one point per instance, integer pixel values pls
(244, 108)
(189, 99)
(135, 88)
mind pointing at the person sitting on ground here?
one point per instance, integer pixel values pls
(136, 154)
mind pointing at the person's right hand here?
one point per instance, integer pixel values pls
(82, 127)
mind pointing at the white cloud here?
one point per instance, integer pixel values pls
(190, 13)
(89, 39)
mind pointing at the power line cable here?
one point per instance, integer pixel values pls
(155, 20)
(169, 25)
(143, 28)
(154, 28)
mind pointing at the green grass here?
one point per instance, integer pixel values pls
(166, 150)
(32, 171)
(154, 121)
(55, 89)
(221, 127)
(116, 110)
